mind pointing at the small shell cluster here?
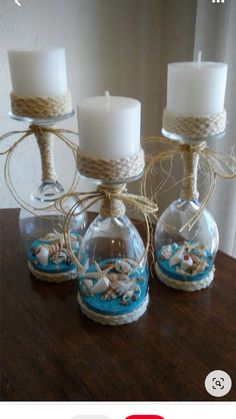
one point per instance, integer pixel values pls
(188, 258)
(53, 249)
(112, 284)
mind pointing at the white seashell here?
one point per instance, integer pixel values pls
(166, 251)
(42, 254)
(59, 257)
(200, 267)
(123, 266)
(100, 286)
(186, 262)
(123, 284)
(86, 286)
(177, 256)
(88, 283)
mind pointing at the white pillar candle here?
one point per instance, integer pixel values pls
(38, 73)
(109, 126)
(196, 88)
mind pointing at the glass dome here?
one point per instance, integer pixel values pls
(115, 277)
(185, 256)
(43, 241)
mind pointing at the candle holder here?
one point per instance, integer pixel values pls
(186, 236)
(112, 284)
(40, 223)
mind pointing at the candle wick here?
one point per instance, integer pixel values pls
(199, 58)
(107, 96)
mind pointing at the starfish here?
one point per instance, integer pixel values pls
(100, 273)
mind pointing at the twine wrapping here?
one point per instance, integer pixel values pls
(185, 285)
(114, 320)
(110, 170)
(45, 144)
(194, 127)
(41, 107)
(86, 199)
(40, 133)
(54, 278)
(111, 207)
(189, 188)
(217, 164)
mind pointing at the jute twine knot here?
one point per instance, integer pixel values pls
(112, 207)
(41, 107)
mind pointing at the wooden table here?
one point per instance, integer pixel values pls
(50, 351)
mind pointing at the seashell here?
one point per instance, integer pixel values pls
(88, 283)
(123, 284)
(200, 267)
(186, 262)
(86, 286)
(166, 251)
(101, 286)
(54, 248)
(177, 256)
(195, 258)
(123, 266)
(42, 255)
(59, 257)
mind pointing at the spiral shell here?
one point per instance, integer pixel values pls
(42, 255)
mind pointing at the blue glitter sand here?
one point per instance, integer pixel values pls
(171, 271)
(114, 306)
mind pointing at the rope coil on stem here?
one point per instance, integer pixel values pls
(45, 144)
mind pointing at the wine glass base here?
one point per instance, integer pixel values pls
(185, 285)
(48, 191)
(113, 320)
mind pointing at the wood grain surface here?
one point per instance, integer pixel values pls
(50, 351)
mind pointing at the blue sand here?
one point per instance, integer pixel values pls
(50, 267)
(114, 306)
(171, 271)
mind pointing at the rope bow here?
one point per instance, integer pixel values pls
(217, 164)
(85, 200)
(37, 130)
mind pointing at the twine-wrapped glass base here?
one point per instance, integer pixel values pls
(185, 285)
(114, 320)
(54, 278)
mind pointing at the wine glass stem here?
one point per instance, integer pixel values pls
(190, 165)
